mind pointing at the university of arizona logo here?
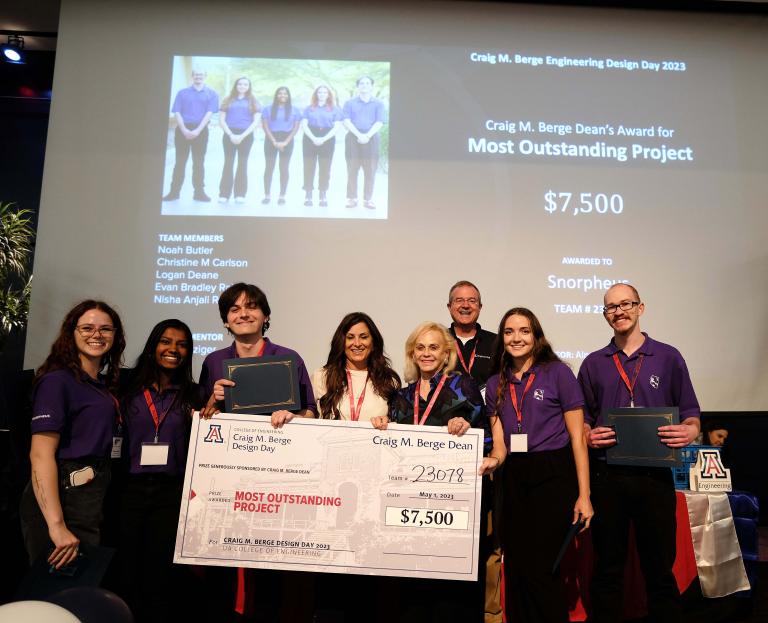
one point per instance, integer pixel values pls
(654, 381)
(708, 473)
(712, 466)
(538, 394)
(214, 434)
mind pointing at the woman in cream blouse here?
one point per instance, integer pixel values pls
(357, 382)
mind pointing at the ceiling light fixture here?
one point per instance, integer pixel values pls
(13, 51)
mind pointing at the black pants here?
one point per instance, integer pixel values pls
(241, 174)
(149, 515)
(82, 507)
(271, 154)
(318, 156)
(184, 146)
(365, 156)
(647, 498)
(540, 489)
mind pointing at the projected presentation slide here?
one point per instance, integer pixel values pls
(277, 137)
(367, 160)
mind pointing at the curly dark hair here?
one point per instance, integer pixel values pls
(65, 356)
(501, 360)
(146, 372)
(385, 380)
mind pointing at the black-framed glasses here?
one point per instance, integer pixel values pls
(623, 306)
(88, 330)
(470, 301)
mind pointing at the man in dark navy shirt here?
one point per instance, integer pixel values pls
(634, 371)
(474, 344)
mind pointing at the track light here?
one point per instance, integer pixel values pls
(13, 51)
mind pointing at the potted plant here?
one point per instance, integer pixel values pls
(17, 236)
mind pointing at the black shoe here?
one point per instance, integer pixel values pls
(201, 197)
(266, 200)
(281, 201)
(171, 196)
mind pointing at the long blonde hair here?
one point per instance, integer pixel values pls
(411, 370)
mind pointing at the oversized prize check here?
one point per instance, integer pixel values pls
(331, 496)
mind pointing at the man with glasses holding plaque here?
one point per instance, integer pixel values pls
(634, 371)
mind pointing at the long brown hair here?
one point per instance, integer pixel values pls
(501, 360)
(64, 354)
(330, 103)
(253, 104)
(385, 381)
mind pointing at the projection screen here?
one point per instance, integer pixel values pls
(543, 153)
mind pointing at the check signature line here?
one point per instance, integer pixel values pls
(425, 555)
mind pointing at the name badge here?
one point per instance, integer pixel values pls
(518, 443)
(154, 453)
(117, 447)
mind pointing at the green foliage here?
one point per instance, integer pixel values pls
(17, 237)
(301, 76)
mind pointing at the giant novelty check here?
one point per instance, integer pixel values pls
(331, 496)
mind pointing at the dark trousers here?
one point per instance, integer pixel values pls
(82, 507)
(149, 514)
(270, 155)
(318, 156)
(435, 601)
(184, 146)
(647, 498)
(365, 156)
(241, 174)
(540, 489)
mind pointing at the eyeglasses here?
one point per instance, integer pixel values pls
(423, 348)
(88, 330)
(623, 306)
(461, 301)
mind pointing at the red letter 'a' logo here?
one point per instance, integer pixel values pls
(712, 467)
(214, 434)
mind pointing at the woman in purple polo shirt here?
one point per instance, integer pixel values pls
(74, 422)
(546, 478)
(280, 121)
(320, 123)
(157, 403)
(238, 118)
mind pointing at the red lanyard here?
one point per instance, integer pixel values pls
(513, 396)
(417, 400)
(625, 378)
(119, 413)
(355, 413)
(153, 411)
(116, 402)
(471, 358)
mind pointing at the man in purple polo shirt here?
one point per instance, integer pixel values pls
(192, 108)
(245, 312)
(364, 116)
(634, 371)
